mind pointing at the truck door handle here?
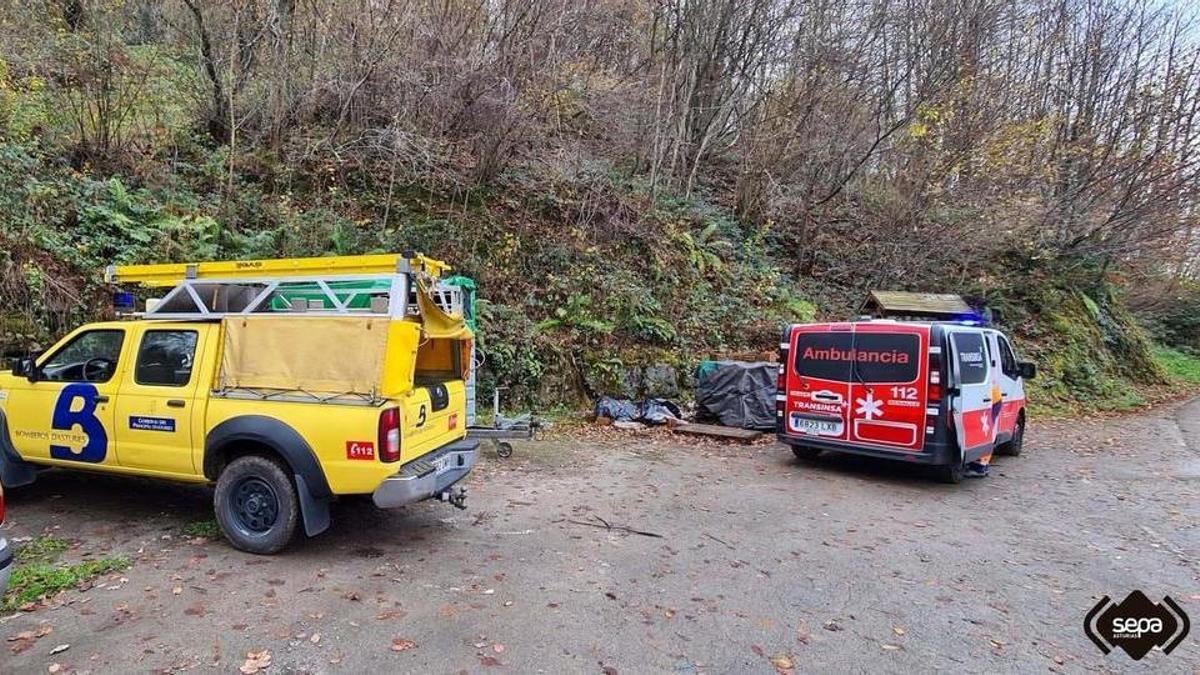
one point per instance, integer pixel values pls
(102, 399)
(175, 403)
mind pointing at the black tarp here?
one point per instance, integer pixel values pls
(739, 394)
(650, 411)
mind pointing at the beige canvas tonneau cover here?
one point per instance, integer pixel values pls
(334, 354)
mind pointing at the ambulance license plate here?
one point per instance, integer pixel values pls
(817, 427)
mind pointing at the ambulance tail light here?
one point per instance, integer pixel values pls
(785, 343)
(935, 378)
(389, 435)
(934, 391)
(781, 395)
(785, 346)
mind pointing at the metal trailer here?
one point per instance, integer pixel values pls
(504, 429)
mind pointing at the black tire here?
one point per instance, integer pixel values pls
(952, 473)
(504, 449)
(1013, 447)
(805, 453)
(256, 505)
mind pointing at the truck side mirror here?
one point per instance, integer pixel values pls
(1027, 370)
(25, 368)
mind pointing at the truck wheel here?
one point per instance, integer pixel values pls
(1013, 447)
(952, 472)
(805, 453)
(256, 505)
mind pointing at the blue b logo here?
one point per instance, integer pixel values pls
(85, 418)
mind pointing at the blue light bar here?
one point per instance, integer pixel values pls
(123, 302)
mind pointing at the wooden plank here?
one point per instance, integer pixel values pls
(716, 431)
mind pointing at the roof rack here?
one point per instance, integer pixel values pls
(170, 274)
(378, 285)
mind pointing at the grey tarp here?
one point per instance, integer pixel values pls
(739, 394)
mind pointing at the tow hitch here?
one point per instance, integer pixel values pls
(456, 497)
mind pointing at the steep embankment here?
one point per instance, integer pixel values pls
(1091, 352)
(589, 285)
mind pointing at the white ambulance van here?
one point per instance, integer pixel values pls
(941, 393)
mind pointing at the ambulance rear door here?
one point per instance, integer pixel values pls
(889, 379)
(818, 386)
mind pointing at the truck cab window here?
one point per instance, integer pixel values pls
(90, 357)
(165, 358)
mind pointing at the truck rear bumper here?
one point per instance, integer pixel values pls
(427, 476)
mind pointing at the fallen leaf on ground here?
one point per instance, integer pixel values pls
(403, 645)
(256, 661)
(498, 648)
(898, 630)
(20, 646)
(316, 637)
(783, 662)
(58, 649)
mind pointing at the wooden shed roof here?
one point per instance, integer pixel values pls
(901, 303)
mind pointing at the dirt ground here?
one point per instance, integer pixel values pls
(762, 562)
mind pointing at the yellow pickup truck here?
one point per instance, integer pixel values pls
(286, 383)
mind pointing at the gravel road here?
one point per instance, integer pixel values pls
(760, 562)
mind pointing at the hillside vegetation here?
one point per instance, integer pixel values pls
(631, 183)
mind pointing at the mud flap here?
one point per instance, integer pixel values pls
(315, 512)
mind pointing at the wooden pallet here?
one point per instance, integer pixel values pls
(716, 431)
